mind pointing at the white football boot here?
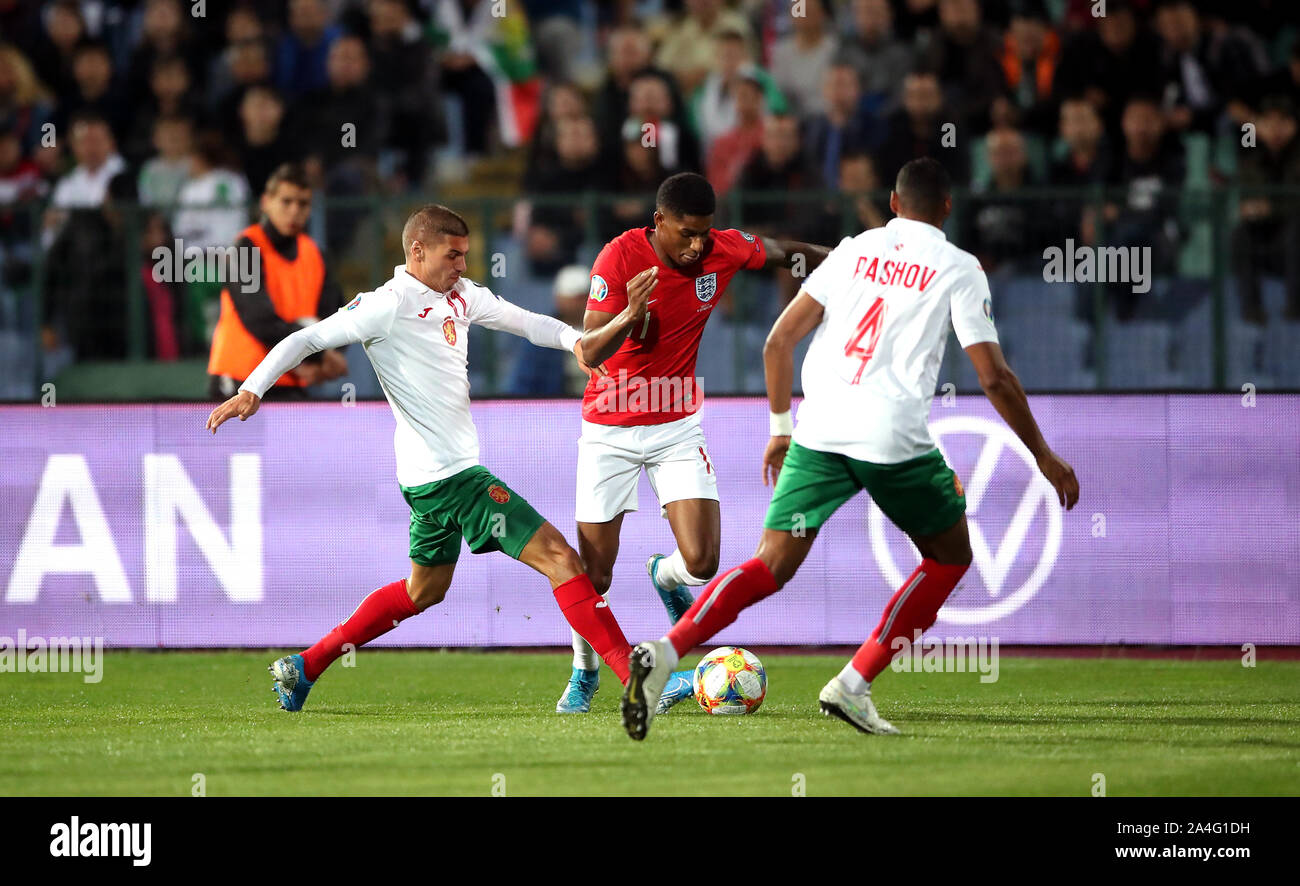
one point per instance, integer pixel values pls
(856, 710)
(648, 674)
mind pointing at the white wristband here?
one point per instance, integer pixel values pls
(780, 424)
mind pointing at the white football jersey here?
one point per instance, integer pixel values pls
(871, 369)
(417, 340)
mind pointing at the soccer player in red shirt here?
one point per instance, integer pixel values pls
(652, 291)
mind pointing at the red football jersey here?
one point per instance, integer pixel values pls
(652, 375)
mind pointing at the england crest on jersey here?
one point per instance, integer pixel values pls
(706, 286)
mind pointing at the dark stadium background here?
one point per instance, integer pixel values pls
(1161, 125)
(77, 307)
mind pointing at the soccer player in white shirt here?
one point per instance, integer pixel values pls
(415, 331)
(880, 304)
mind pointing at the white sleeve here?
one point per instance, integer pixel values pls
(495, 312)
(972, 308)
(826, 277)
(366, 318)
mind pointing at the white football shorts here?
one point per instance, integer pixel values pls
(610, 458)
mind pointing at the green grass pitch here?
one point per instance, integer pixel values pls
(415, 722)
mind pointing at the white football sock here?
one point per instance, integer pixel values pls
(584, 657)
(853, 681)
(671, 572)
(669, 651)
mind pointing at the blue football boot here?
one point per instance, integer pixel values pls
(577, 695)
(290, 686)
(680, 686)
(677, 600)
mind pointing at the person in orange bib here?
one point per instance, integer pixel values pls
(293, 290)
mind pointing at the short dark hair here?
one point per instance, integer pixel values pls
(287, 174)
(211, 145)
(429, 221)
(923, 186)
(1277, 104)
(87, 117)
(168, 117)
(855, 153)
(90, 44)
(270, 91)
(686, 193)
(1143, 97)
(163, 62)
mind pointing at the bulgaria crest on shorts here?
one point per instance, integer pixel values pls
(498, 494)
(449, 331)
(706, 286)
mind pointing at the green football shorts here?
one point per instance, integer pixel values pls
(473, 505)
(922, 496)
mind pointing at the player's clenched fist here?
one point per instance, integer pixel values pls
(243, 404)
(638, 292)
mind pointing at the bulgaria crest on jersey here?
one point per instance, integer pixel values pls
(706, 286)
(498, 494)
(449, 331)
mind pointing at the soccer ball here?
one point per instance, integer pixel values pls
(730, 680)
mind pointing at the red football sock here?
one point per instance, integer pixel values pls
(378, 614)
(721, 602)
(589, 615)
(914, 606)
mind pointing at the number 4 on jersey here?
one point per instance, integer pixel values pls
(868, 328)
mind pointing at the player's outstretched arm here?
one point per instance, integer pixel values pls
(244, 404)
(541, 330)
(1003, 389)
(784, 254)
(799, 318)
(602, 335)
(340, 329)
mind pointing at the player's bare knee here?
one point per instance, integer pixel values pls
(782, 570)
(429, 593)
(953, 552)
(562, 561)
(601, 578)
(961, 557)
(701, 564)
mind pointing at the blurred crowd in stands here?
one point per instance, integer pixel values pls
(143, 101)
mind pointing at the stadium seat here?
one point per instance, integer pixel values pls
(1272, 292)
(1048, 353)
(716, 365)
(1194, 346)
(1139, 355)
(17, 366)
(956, 368)
(750, 343)
(1030, 299)
(1245, 345)
(1281, 355)
(1044, 343)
